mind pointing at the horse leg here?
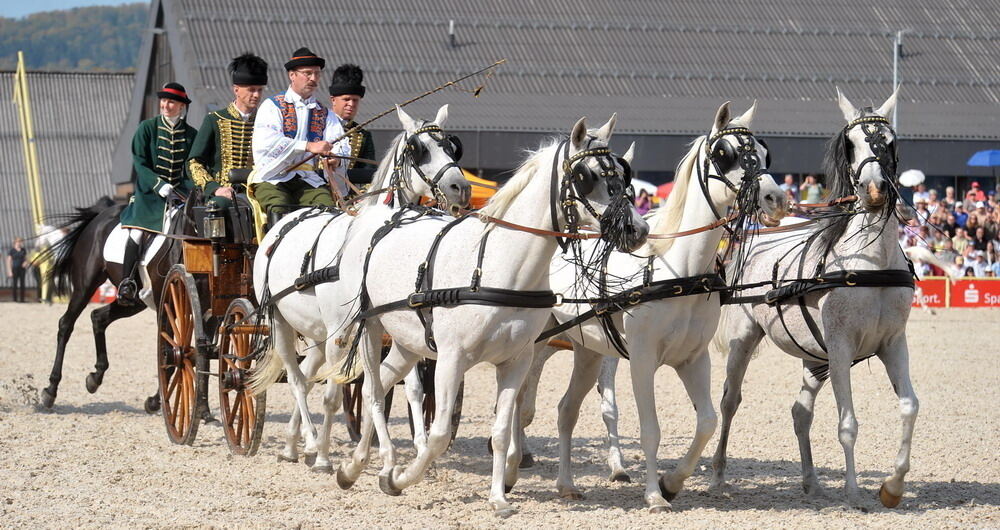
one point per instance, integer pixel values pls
(332, 397)
(841, 353)
(414, 389)
(802, 417)
(372, 414)
(76, 306)
(283, 338)
(741, 346)
(314, 353)
(896, 358)
(448, 376)
(399, 363)
(506, 450)
(643, 369)
(526, 402)
(586, 366)
(697, 378)
(609, 412)
(101, 318)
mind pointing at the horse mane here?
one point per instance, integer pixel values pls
(501, 201)
(384, 171)
(668, 218)
(838, 183)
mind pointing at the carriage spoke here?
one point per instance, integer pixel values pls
(170, 340)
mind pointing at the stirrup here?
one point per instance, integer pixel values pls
(127, 292)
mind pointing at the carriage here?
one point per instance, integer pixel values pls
(206, 331)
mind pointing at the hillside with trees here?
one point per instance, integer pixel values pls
(99, 38)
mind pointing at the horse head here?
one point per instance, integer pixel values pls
(430, 158)
(739, 160)
(865, 152)
(595, 187)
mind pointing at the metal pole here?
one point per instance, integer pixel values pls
(897, 43)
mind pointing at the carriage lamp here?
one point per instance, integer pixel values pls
(215, 223)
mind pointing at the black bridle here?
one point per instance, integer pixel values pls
(414, 152)
(578, 180)
(721, 156)
(883, 154)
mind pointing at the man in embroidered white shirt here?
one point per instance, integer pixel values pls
(289, 128)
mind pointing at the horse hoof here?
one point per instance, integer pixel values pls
(387, 486)
(570, 494)
(660, 508)
(48, 398)
(888, 499)
(151, 405)
(343, 482)
(504, 512)
(327, 469)
(508, 489)
(283, 458)
(620, 476)
(527, 461)
(665, 491)
(92, 383)
(309, 458)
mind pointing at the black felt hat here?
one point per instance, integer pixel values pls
(174, 91)
(347, 79)
(304, 57)
(248, 69)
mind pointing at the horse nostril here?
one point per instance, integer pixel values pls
(769, 197)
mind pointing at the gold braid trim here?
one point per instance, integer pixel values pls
(198, 173)
(235, 136)
(356, 138)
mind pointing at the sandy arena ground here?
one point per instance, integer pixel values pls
(98, 461)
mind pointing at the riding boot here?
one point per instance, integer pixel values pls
(128, 290)
(273, 216)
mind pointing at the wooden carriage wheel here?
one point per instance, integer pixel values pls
(180, 367)
(242, 411)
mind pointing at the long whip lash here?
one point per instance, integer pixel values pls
(360, 126)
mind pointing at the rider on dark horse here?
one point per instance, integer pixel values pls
(221, 159)
(159, 148)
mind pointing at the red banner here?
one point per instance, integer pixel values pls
(975, 292)
(933, 292)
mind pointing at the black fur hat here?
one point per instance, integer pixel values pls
(304, 57)
(248, 69)
(347, 79)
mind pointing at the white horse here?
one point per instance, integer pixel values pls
(592, 189)
(832, 329)
(419, 162)
(674, 331)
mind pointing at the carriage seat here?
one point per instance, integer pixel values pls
(239, 221)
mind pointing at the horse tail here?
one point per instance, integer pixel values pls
(720, 341)
(266, 371)
(61, 253)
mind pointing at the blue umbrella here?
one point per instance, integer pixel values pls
(987, 158)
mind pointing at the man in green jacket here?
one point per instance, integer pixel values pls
(159, 148)
(346, 93)
(222, 153)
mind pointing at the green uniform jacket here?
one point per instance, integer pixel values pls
(158, 155)
(362, 146)
(222, 144)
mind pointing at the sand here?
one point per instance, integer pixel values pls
(98, 461)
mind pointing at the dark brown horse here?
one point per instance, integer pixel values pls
(79, 268)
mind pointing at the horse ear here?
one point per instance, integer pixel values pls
(722, 117)
(889, 104)
(407, 122)
(746, 119)
(846, 107)
(604, 133)
(442, 115)
(630, 153)
(579, 133)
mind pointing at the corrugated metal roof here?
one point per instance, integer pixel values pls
(664, 67)
(77, 119)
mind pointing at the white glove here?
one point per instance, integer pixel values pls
(165, 190)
